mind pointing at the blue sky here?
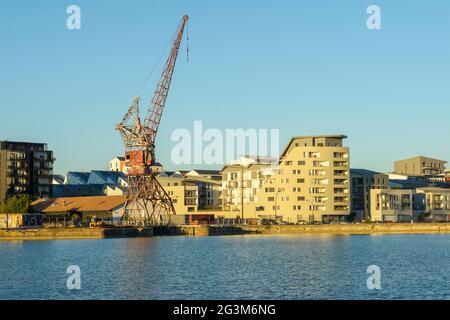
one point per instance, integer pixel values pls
(305, 67)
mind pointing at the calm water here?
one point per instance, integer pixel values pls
(231, 267)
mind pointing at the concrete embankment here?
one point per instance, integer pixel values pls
(73, 233)
(102, 233)
(316, 229)
(344, 229)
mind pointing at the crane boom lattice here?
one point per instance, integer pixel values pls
(147, 201)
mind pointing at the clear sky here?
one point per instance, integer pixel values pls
(305, 67)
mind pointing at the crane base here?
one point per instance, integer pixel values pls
(147, 204)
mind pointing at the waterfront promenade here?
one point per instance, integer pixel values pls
(212, 230)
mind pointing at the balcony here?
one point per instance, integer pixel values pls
(317, 172)
(340, 164)
(340, 190)
(341, 199)
(340, 155)
(320, 199)
(317, 190)
(340, 173)
(320, 181)
(341, 182)
(323, 164)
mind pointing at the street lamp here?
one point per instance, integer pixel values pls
(242, 191)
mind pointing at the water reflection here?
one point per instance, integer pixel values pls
(232, 267)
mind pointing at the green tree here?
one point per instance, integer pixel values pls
(16, 204)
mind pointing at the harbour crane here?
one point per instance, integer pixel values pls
(147, 201)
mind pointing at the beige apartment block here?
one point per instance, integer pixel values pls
(420, 166)
(437, 203)
(241, 183)
(209, 184)
(193, 191)
(392, 205)
(184, 194)
(310, 183)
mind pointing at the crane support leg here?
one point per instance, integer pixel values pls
(148, 203)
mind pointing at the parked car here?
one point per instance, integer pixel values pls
(316, 222)
(302, 222)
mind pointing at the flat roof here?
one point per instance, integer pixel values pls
(341, 136)
(422, 157)
(335, 136)
(434, 189)
(238, 167)
(364, 171)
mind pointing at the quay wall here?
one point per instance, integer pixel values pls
(341, 229)
(307, 229)
(73, 233)
(216, 230)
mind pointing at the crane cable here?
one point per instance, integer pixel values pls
(156, 64)
(187, 42)
(162, 55)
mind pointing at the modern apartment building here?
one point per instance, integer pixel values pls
(310, 183)
(241, 184)
(361, 182)
(209, 189)
(25, 168)
(437, 203)
(192, 191)
(184, 194)
(420, 166)
(391, 205)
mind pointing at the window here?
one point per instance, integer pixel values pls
(300, 180)
(270, 198)
(300, 198)
(301, 163)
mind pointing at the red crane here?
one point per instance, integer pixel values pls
(147, 201)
